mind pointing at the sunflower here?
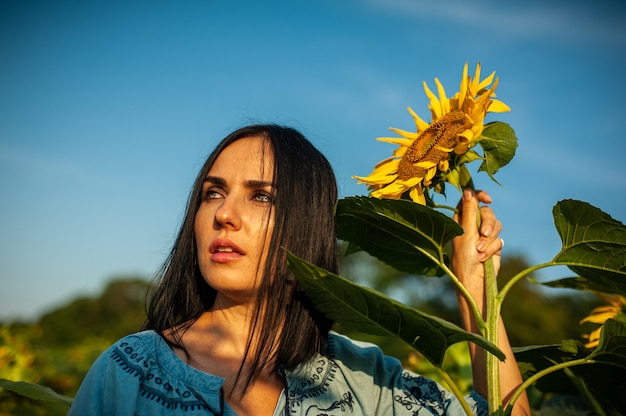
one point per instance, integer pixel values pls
(616, 306)
(456, 124)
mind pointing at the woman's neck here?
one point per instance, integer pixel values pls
(218, 334)
(216, 343)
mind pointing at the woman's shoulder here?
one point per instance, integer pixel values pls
(141, 372)
(358, 376)
(134, 354)
(146, 341)
(134, 345)
(342, 347)
(147, 355)
(362, 359)
(134, 359)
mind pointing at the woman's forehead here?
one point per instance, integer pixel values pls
(246, 156)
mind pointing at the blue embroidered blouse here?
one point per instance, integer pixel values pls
(141, 375)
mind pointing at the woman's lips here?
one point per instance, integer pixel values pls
(224, 250)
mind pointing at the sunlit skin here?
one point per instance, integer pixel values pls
(232, 227)
(234, 220)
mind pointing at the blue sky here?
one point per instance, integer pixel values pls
(108, 109)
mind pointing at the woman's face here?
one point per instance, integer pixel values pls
(235, 219)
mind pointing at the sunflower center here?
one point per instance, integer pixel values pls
(442, 134)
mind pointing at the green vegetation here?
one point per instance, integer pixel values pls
(58, 349)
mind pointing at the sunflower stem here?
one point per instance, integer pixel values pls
(447, 207)
(490, 331)
(493, 313)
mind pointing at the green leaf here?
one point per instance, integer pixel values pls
(464, 177)
(605, 379)
(35, 391)
(459, 177)
(468, 157)
(453, 177)
(407, 236)
(579, 283)
(534, 358)
(594, 244)
(368, 311)
(611, 348)
(499, 143)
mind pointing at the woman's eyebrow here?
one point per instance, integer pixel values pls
(251, 183)
(215, 180)
(259, 184)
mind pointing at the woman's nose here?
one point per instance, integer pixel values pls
(227, 215)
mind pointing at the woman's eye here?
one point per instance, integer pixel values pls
(262, 197)
(212, 194)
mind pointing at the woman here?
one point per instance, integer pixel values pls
(229, 330)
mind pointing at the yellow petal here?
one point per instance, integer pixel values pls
(467, 136)
(427, 164)
(419, 123)
(417, 195)
(395, 140)
(594, 338)
(411, 182)
(386, 164)
(463, 88)
(400, 151)
(382, 171)
(383, 194)
(430, 174)
(444, 149)
(597, 318)
(601, 314)
(486, 81)
(477, 129)
(473, 85)
(393, 190)
(498, 106)
(408, 134)
(375, 181)
(443, 100)
(434, 106)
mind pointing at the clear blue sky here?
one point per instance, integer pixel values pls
(108, 109)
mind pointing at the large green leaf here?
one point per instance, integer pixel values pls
(605, 379)
(612, 346)
(594, 244)
(401, 233)
(579, 283)
(365, 310)
(499, 143)
(35, 391)
(534, 358)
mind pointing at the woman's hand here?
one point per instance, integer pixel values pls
(476, 244)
